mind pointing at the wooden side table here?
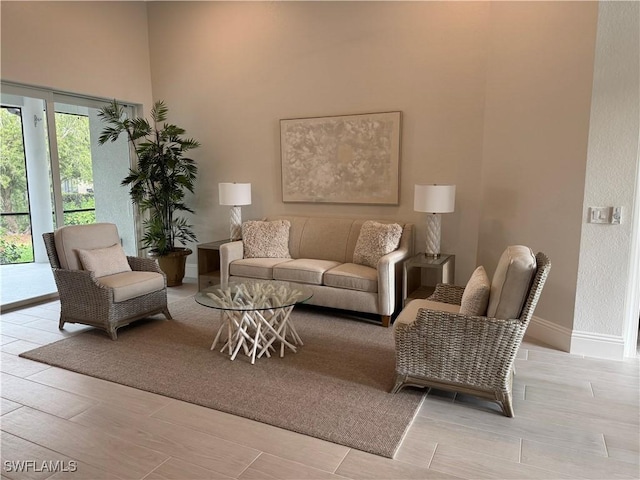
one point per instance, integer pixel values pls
(412, 278)
(209, 263)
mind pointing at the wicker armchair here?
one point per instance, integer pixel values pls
(468, 354)
(103, 302)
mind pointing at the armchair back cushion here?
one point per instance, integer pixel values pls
(511, 282)
(70, 238)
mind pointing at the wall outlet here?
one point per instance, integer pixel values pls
(616, 215)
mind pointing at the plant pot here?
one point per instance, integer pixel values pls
(172, 264)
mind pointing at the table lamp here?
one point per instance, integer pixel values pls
(434, 200)
(235, 194)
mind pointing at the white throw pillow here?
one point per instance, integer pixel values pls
(475, 297)
(376, 240)
(266, 239)
(104, 261)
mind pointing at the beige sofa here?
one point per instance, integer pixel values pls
(322, 258)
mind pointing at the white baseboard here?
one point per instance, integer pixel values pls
(598, 345)
(549, 333)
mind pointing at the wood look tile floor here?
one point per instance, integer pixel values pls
(575, 418)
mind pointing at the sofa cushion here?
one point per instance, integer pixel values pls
(511, 282)
(255, 267)
(376, 240)
(266, 239)
(352, 277)
(70, 238)
(410, 311)
(303, 270)
(104, 261)
(127, 285)
(475, 297)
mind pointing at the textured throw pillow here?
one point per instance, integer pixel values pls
(266, 239)
(376, 240)
(475, 297)
(104, 261)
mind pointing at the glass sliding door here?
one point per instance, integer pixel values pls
(16, 245)
(75, 166)
(90, 174)
(27, 201)
(53, 172)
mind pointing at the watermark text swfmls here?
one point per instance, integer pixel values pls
(52, 466)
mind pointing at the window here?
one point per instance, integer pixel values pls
(15, 224)
(53, 172)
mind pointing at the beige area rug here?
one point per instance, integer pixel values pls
(334, 388)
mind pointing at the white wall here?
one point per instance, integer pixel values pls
(97, 49)
(611, 169)
(230, 71)
(495, 98)
(536, 129)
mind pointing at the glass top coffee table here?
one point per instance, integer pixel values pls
(256, 315)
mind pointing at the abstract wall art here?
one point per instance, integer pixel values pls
(341, 159)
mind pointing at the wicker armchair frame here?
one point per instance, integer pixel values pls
(467, 354)
(84, 300)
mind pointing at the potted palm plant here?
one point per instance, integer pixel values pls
(158, 182)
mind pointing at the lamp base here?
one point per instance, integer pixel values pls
(432, 246)
(235, 222)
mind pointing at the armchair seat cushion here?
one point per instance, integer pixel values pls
(255, 267)
(303, 270)
(410, 311)
(128, 285)
(352, 277)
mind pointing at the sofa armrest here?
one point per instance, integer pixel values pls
(228, 253)
(389, 267)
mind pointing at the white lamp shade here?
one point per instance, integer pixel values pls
(235, 193)
(434, 198)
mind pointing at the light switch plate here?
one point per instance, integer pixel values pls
(608, 215)
(599, 214)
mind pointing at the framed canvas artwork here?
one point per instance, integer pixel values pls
(341, 159)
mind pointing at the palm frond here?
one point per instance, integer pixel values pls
(158, 183)
(159, 111)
